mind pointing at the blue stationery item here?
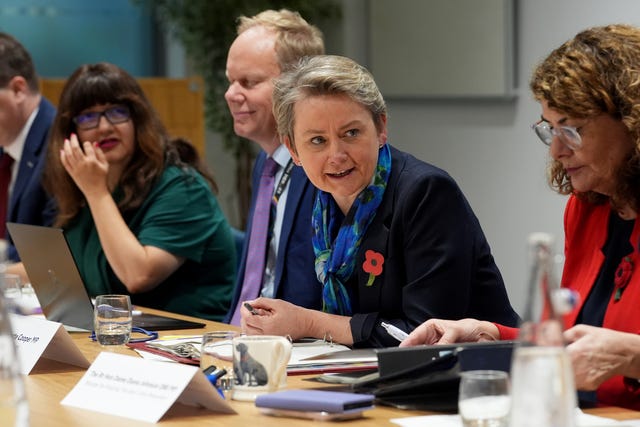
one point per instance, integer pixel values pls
(148, 335)
(213, 374)
(315, 401)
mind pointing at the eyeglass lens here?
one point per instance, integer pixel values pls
(114, 115)
(569, 135)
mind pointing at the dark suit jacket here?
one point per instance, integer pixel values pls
(29, 203)
(295, 279)
(437, 262)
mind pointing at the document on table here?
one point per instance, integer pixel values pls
(306, 356)
(582, 420)
(322, 356)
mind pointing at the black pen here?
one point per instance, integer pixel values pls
(250, 308)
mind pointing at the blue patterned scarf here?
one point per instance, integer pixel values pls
(335, 262)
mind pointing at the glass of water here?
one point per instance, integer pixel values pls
(112, 319)
(484, 399)
(11, 286)
(217, 351)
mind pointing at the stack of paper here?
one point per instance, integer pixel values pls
(321, 356)
(315, 356)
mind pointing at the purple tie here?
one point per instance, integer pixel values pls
(254, 269)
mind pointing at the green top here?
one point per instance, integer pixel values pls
(181, 216)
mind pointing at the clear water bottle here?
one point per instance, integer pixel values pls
(542, 386)
(14, 410)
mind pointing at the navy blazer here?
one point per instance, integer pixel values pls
(295, 277)
(437, 262)
(29, 202)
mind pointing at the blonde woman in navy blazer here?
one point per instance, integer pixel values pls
(394, 237)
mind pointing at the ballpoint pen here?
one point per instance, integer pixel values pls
(250, 308)
(394, 331)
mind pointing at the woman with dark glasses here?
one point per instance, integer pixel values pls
(137, 208)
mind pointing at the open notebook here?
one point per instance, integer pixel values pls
(57, 283)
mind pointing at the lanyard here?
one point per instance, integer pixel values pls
(284, 180)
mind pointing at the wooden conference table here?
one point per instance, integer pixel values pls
(50, 382)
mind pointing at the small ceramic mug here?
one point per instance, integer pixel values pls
(259, 365)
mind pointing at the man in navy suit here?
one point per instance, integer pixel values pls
(266, 44)
(25, 118)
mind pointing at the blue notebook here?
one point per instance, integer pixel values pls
(315, 401)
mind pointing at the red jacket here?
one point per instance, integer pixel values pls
(585, 234)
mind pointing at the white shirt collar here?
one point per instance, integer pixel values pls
(281, 156)
(15, 148)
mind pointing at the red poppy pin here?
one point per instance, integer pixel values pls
(372, 265)
(622, 277)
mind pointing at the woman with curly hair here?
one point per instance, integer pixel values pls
(137, 208)
(589, 91)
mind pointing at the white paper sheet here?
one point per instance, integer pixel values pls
(583, 420)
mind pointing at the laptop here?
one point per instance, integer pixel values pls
(57, 283)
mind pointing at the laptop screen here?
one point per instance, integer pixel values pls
(56, 280)
(53, 273)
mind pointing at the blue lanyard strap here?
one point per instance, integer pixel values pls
(149, 335)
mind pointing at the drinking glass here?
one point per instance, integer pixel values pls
(112, 319)
(217, 351)
(543, 390)
(11, 286)
(484, 399)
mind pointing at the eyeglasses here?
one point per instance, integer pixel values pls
(569, 135)
(115, 115)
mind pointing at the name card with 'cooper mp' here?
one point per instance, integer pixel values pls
(38, 338)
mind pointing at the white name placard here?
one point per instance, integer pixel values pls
(38, 338)
(141, 389)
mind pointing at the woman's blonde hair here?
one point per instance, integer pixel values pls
(324, 75)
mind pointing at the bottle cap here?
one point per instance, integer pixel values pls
(564, 300)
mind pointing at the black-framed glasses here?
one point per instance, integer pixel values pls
(90, 120)
(569, 135)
